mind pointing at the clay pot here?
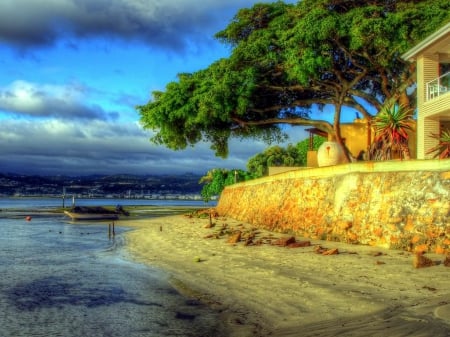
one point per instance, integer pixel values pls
(330, 153)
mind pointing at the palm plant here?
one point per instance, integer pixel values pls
(442, 150)
(391, 125)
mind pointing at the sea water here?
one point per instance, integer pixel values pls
(71, 279)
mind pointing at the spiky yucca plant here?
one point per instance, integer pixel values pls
(391, 125)
(442, 150)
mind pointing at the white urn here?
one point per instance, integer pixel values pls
(330, 153)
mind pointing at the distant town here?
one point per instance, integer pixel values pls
(101, 186)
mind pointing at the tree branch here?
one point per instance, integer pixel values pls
(320, 124)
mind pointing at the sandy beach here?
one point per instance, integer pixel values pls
(321, 289)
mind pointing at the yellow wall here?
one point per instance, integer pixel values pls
(396, 204)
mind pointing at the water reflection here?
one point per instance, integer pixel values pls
(56, 292)
(57, 280)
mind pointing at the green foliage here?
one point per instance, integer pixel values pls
(442, 150)
(293, 155)
(287, 59)
(303, 147)
(215, 181)
(391, 125)
(201, 106)
(272, 156)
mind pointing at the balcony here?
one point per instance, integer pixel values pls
(438, 86)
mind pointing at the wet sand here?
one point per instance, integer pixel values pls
(263, 289)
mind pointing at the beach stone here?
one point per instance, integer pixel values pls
(235, 238)
(421, 261)
(283, 242)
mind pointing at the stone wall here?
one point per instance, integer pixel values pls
(399, 204)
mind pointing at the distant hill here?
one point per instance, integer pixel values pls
(121, 185)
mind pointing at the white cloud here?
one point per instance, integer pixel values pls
(45, 100)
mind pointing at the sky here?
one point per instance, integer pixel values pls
(73, 71)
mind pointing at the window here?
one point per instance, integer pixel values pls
(444, 73)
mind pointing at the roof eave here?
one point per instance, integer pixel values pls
(410, 54)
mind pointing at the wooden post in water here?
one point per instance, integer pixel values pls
(113, 230)
(64, 197)
(109, 231)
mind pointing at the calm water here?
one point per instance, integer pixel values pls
(23, 203)
(65, 279)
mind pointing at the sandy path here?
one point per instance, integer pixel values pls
(279, 291)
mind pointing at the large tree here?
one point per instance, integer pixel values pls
(287, 60)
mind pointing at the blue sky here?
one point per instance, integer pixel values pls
(72, 72)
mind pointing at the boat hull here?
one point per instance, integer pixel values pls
(91, 216)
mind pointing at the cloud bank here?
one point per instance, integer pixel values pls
(61, 147)
(74, 70)
(168, 24)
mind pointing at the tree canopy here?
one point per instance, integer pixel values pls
(286, 61)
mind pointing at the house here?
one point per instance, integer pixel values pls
(432, 57)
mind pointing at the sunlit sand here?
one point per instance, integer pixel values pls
(265, 289)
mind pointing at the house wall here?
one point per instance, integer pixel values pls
(397, 204)
(427, 70)
(358, 137)
(429, 112)
(433, 111)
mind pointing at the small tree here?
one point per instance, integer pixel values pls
(292, 155)
(215, 181)
(272, 156)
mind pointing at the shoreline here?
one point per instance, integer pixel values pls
(264, 289)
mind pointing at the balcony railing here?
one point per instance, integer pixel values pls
(438, 86)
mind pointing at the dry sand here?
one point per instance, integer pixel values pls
(268, 290)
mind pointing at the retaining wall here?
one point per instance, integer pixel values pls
(399, 204)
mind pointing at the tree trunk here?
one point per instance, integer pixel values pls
(404, 148)
(337, 130)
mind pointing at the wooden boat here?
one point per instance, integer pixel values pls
(91, 213)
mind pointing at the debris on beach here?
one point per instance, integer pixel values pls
(235, 238)
(325, 251)
(291, 242)
(333, 251)
(283, 242)
(447, 261)
(421, 261)
(376, 253)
